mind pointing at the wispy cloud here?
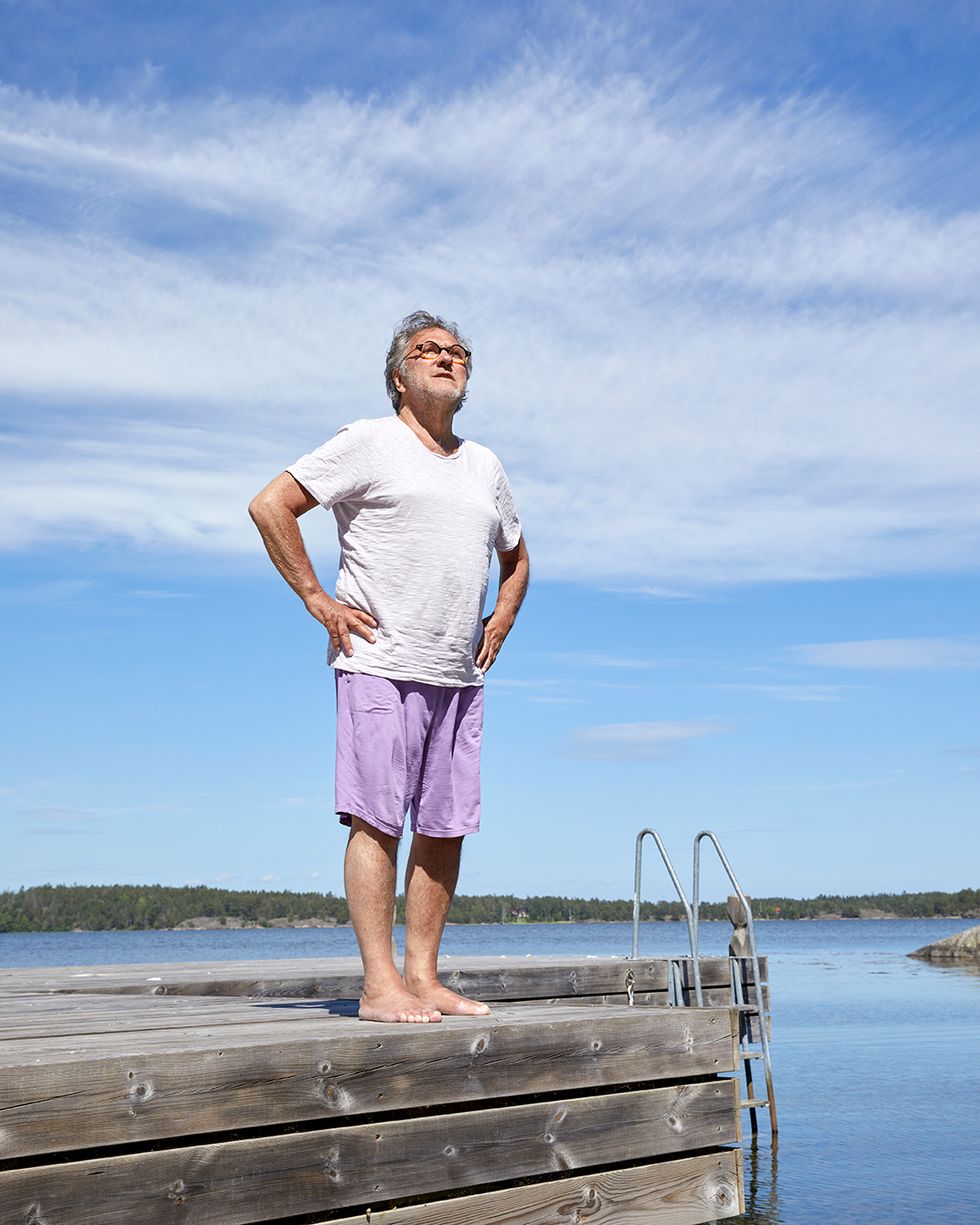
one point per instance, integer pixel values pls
(845, 785)
(641, 741)
(788, 692)
(897, 653)
(51, 592)
(63, 822)
(594, 659)
(519, 684)
(652, 592)
(161, 595)
(781, 360)
(972, 752)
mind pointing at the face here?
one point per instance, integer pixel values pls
(440, 379)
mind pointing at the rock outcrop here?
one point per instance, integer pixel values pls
(964, 946)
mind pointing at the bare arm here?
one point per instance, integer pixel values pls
(275, 512)
(515, 569)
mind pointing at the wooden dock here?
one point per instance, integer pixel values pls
(220, 1094)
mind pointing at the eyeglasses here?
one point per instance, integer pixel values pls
(429, 351)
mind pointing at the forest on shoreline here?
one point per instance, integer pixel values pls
(155, 907)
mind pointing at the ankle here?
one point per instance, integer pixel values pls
(379, 981)
(420, 978)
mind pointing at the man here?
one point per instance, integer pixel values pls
(419, 514)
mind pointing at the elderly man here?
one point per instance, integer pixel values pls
(419, 514)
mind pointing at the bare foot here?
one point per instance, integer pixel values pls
(448, 1003)
(396, 1004)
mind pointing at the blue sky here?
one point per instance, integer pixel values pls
(720, 273)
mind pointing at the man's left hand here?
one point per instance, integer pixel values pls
(495, 630)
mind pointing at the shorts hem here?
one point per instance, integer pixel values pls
(386, 827)
(445, 833)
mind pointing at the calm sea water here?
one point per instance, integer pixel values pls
(876, 1057)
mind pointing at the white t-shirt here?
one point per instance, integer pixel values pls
(417, 531)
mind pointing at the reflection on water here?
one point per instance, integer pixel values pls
(761, 1191)
(957, 967)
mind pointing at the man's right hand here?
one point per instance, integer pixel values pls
(341, 621)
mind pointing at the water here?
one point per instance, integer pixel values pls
(876, 1057)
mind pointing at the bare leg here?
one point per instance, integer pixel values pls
(369, 878)
(430, 881)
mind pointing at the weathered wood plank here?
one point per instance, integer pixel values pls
(242, 1181)
(53, 1016)
(490, 978)
(314, 1020)
(713, 997)
(681, 1191)
(66, 1015)
(275, 1074)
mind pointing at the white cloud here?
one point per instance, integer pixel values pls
(712, 344)
(641, 741)
(914, 653)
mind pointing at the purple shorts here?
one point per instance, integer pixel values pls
(405, 744)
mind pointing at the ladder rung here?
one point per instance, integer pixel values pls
(754, 1103)
(753, 1055)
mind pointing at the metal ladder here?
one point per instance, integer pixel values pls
(750, 1048)
(675, 985)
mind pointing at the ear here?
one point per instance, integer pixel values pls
(396, 378)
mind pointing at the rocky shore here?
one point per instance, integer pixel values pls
(963, 946)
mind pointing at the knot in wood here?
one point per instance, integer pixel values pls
(160, 990)
(674, 1123)
(449, 1151)
(176, 1191)
(480, 1045)
(336, 1097)
(588, 1206)
(723, 1196)
(596, 1046)
(560, 1159)
(142, 1091)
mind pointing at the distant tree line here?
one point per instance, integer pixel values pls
(144, 907)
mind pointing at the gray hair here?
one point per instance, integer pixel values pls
(417, 321)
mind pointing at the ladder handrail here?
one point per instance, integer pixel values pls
(691, 924)
(764, 1012)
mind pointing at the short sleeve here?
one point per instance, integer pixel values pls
(509, 532)
(341, 469)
